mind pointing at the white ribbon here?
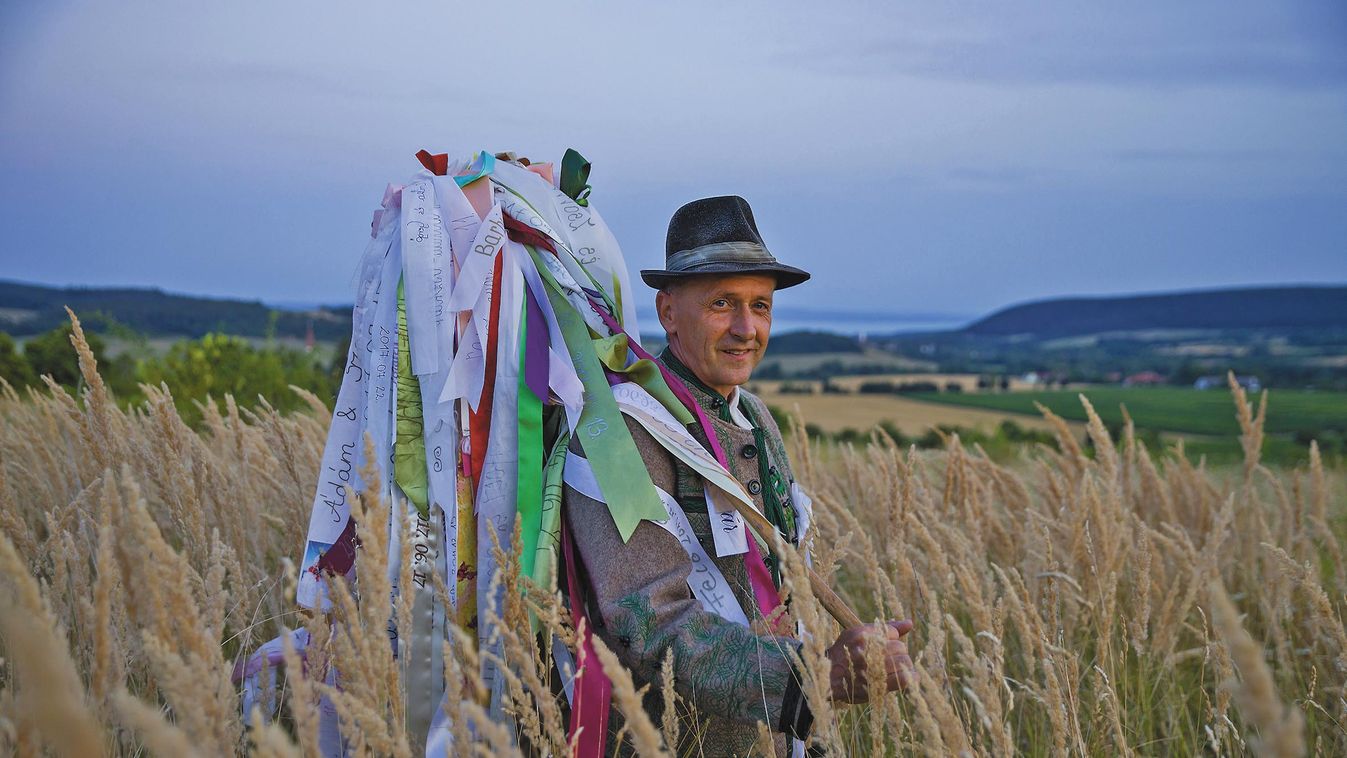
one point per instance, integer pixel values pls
(425, 272)
(708, 585)
(609, 258)
(342, 453)
(729, 532)
(457, 215)
(427, 262)
(330, 742)
(562, 377)
(562, 266)
(496, 492)
(473, 290)
(476, 262)
(421, 647)
(382, 349)
(803, 506)
(587, 248)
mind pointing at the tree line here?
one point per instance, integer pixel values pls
(194, 370)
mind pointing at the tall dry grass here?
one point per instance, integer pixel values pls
(1102, 603)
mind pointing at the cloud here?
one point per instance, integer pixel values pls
(941, 156)
(1294, 45)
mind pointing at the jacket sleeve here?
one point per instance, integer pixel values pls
(639, 589)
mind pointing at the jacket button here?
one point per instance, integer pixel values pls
(750, 451)
(754, 487)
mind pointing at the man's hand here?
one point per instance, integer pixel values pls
(849, 676)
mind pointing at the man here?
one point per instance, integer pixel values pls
(715, 304)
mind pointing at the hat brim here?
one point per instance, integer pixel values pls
(786, 276)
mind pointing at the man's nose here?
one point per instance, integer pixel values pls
(742, 326)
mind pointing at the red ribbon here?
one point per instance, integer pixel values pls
(527, 235)
(593, 692)
(479, 423)
(435, 164)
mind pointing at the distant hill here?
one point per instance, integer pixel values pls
(27, 309)
(1231, 309)
(794, 343)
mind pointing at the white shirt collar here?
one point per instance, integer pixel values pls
(736, 415)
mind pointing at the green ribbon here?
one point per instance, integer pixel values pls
(409, 447)
(612, 352)
(617, 303)
(603, 433)
(689, 377)
(574, 177)
(549, 525)
(529, 493)
(597, 285)
(775, 490)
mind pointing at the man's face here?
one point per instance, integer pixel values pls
(718, 325)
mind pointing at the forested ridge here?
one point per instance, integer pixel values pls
(27, 309)
(1227, 309)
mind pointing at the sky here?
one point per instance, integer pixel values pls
(925, 159)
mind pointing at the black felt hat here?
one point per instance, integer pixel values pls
(717, 235)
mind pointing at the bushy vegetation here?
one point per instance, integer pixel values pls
(1005, 443)
(219, 365)
(195, 370)
(897, 388)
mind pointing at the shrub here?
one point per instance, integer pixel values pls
(877, 388)
(14, 367)
(908, 388)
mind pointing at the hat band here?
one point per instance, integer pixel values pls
(719, 252)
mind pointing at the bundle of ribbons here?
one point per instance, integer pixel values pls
(493, 322)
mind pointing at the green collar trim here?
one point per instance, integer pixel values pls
(707, 397)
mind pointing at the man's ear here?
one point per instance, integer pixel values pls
(664, 309)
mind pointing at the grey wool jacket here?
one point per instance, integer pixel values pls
(639, 603)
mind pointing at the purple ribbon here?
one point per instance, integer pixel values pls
(535, 348)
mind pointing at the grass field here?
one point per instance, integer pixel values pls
(1168, 409)
(1078, 601)
(799, 363)
(852, 383)
(833, 413)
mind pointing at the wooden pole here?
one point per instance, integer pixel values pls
(831, 601)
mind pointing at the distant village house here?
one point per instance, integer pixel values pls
(1144, 379)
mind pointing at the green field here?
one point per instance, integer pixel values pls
(1169, 409)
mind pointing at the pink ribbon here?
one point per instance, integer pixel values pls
(764, 591)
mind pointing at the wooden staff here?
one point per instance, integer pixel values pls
(831, 601)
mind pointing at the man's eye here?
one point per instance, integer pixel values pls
(721, 303)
